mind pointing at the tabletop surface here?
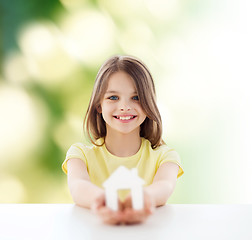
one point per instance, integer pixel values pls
(176, 221)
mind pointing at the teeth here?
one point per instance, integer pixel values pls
(125, 118)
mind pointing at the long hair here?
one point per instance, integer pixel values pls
(151, 128)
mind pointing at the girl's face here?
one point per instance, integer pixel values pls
(120, 105)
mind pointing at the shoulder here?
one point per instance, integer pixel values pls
(79, 148)
(168, 154)
(86, 148)
(163, 149)
(161, 155)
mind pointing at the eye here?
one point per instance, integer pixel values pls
(135, 98)
(113, 98)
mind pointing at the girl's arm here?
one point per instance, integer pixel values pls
(163, 184)
(87, 194)
(82, 190)
(155, 194)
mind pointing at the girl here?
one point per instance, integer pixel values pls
(124, 125)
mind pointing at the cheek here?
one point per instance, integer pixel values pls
(140, 109)
(143, 118)
(106, 108)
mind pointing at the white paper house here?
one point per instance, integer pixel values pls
(123, 178)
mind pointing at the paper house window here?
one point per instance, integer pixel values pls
(123, 178)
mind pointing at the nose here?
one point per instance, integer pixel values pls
(124, 106)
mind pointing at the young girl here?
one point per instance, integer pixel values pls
(124, 125)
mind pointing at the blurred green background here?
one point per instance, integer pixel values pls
(199, 53)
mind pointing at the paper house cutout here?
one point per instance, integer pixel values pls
(123, 178)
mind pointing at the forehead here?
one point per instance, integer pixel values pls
(120, 82)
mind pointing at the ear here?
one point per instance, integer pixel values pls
(99, 109)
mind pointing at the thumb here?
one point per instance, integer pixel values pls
(127, 202)
(98, 202)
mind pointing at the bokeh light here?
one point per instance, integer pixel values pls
(12, 189)
(163, 10)
(15, 68)
(198, 53)
(20, 124)
(88, 34)
(46, 58)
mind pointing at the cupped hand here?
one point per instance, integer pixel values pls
(132, 216)
(107, 215)
(126, 213)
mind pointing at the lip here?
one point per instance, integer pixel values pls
(125, 115)
(132, 117)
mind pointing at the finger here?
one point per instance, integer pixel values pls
(98, 203)
(132, 216)
(120, 205)
(127, 203)
(149, 208)
(109, 217)
(149, 204)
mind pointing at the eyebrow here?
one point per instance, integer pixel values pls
(112, 91)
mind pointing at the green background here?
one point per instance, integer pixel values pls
(198, 53)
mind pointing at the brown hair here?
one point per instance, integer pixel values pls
(151, 128)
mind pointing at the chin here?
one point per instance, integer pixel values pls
(126, 132)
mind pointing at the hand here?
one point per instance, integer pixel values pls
(126, 214)
(107, 215)
(132, 216)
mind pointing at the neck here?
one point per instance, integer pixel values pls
(123, 145)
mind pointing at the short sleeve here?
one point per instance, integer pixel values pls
(170, 155)
(76, 150)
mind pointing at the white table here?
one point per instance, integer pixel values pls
(68, 221)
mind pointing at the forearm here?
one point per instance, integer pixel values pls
(84, 192)
(160, 191)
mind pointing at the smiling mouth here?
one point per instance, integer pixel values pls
(124, 117)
